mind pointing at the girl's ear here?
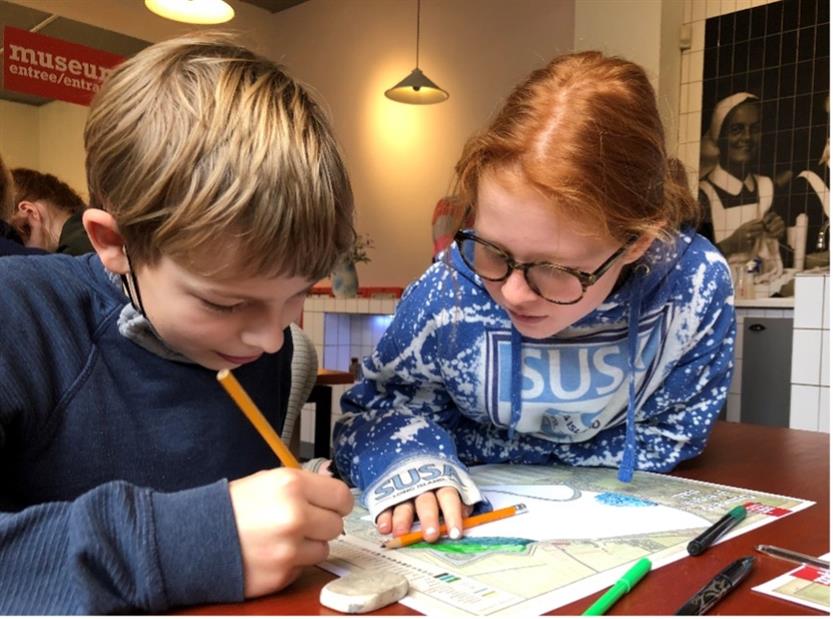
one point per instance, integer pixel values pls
(639, 247)
(108, 243)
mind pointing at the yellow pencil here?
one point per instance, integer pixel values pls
(472, 521)
(252, 412)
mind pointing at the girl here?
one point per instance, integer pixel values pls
(574, 322)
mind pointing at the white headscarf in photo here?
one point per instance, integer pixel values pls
(724, 108)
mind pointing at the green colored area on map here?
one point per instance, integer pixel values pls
(470, 546)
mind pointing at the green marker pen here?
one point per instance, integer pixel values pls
(622, 586)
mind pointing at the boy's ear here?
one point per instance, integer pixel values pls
(30, 209)
(106, 239)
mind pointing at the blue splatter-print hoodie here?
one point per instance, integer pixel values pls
(636, 383)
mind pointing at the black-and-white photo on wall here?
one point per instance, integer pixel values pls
(764, 174)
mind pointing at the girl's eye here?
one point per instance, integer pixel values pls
(223, 309)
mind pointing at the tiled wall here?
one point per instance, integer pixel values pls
(810, 391)
(341, 329)
(691, 77)
(691, 124)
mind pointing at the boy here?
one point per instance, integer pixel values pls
(48, 213)
(218, 197)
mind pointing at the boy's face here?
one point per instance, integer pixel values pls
(219, 322)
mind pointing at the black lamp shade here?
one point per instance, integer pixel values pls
(416, 89)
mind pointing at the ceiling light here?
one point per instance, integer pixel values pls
(416, 87)
(192, 11)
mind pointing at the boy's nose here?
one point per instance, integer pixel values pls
(266, 335)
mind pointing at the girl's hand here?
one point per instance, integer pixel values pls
(426, 507)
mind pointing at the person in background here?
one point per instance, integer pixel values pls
(732, 191)
(130, 480)
(809, 194)
(48, 213)
(10, 241)
(573, 323)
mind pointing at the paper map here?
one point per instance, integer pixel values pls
(583, 528)
(806, 585)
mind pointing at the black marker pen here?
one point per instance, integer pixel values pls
(708, 537)
(718, 587)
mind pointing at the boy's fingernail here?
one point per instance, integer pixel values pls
(454, 533)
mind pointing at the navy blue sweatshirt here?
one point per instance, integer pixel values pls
(114, 462)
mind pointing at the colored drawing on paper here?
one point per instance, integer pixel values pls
(805, 585)
(581, 529)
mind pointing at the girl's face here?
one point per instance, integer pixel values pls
(219, 323)
(525, 224)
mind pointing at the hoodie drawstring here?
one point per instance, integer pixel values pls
(517, 382)
(628, 463)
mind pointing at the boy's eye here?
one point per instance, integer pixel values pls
(225, 309)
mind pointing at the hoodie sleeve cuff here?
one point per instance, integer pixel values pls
(409, 478)
(198, 545)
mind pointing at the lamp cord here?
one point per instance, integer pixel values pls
(419, 2)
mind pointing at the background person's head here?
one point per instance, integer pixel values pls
(219, 177)
(43, 203)
(736, 129)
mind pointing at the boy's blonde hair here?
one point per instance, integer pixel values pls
(201, 149)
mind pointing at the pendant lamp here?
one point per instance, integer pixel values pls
(417, 88)
(192, 11)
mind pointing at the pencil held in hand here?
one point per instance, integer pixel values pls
(252, 412)
(472, 521)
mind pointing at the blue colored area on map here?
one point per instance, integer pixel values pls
(623, 500)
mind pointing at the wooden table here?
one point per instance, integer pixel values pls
(775, 460)
(322, 396)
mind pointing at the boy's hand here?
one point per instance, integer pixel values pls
(285, 517)
(398, 520)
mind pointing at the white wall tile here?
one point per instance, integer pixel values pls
(742, 5)
(696, 68)
(712, 8)
(806, 359)
(825, 322)
(824, 378)
(824, 409)
(809, 302)
(685, 65)
(698, 10)
(698, 36)
(686, 11)
(693, 130)
(804, 407)
(728, 6)
(695, 103)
